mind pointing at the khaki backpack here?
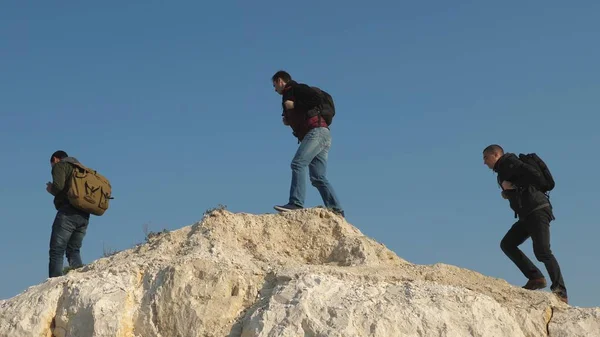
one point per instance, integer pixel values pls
(89, 191)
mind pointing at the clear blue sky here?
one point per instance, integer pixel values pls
(173, 102)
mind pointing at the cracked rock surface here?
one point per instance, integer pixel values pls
(303, 273)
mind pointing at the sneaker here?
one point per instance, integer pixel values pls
(339, 212)
(287, 207)
(535, 284)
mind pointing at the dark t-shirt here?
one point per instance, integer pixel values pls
(304, 99)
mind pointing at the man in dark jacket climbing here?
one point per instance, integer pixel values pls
(315, 141)
(518, 180)
(70, 224)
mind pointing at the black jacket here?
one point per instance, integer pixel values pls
(525, 198)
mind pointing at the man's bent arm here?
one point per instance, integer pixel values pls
(59, 178)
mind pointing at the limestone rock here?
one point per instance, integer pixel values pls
(575, 322)
(303, 273)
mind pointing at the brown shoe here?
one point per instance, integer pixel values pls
(535, 284)
(561, 296)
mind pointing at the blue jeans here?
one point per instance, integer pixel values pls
(312, 152)
(68, 230)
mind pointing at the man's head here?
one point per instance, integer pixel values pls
(280, 79)
(57, 156)
(491, 154)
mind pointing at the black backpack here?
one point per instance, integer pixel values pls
(547, 182)
(327, 107)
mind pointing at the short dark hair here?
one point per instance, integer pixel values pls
(284, 75)
(494, 148)
(60, 154)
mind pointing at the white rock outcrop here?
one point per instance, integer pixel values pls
(303, 273)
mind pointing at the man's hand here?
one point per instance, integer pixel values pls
(289, 105)
(507, 185)
(49, 187)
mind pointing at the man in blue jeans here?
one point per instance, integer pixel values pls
(70, 224)
(301, 106)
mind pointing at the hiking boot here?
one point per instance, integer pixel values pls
(287, 207)
(535, 284)
(561, 295)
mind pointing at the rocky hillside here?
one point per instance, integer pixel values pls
(304, 273)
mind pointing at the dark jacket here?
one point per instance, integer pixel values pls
(525, 198)
(61, 180)
(305, 100)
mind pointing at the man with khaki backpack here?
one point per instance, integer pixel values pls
(78, 192)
